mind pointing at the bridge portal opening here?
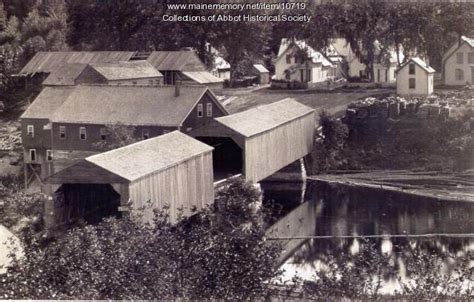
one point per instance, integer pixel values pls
(88, 202)
(227, 157)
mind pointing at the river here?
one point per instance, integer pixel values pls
(319, 209)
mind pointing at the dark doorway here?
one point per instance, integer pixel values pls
(88, 202)
(227, 157)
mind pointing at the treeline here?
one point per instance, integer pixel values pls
(28, 26)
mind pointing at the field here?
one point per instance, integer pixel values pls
(334, 102)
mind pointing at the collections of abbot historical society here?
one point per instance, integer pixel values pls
(237, 18)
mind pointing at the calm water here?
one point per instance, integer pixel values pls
(321, 210)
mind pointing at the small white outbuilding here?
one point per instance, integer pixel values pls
(415, 77)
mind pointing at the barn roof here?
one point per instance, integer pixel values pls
(183, 60)
(47, 102)
(260, 68)
(140, 159)
(266, 117)
(65, 74)
(126, 70)
(130, 105)
(50, 61)
(420, 63)
(202, 77)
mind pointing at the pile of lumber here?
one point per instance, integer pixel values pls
(10, 138)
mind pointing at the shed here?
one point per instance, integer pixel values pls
(173, 169)
(136, 72)
(262, 73)
(415, 77)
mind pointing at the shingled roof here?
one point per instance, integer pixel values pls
(420, 63)
(128, 105)
(50, 61)
(202, 77)
(133, 161)
(47, 102)
(124, 70)
(266, 117)
(184, 60)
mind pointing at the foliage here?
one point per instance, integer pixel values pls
(206, 256)
(360, 275)
(328, 143)
(116, 136)
(18, 207)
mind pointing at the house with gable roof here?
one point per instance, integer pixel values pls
(458, 63)
(297, 61)
(415, 77)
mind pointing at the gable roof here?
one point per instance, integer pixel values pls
(183, 60)
(260, 68)
(418, 62)
(65, 74)
(468, 40)
(129, 105)
(47, 102)
(266, 117)
(49, 61)
(315, 56)
(150, 156)
(202, 77)
(124, 70)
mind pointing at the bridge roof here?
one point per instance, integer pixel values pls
(266, 117)
(150, 156)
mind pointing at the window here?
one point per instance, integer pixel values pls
(459, 75)
(150, 82)
(288, 59)
(411, 68)
(200, 110)
(470, 58)
(33, 154)
(145, 134)
(103, 134)
(412, 83)
(82, 133)
(49, 155)
(459, 58)
(30, 130)
(209, 109)
(395, 74)
(308, 75)
(62, 132)
(134, 82)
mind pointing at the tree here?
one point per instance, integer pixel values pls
(116, 136)
(210, 255)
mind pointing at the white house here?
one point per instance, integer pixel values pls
(458, 63)
(384, 69)
(415, 77)
(297, 61)
(221, 67)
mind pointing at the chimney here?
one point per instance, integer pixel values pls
(177, 88)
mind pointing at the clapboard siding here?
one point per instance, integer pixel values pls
(268, 152)
(186, 185)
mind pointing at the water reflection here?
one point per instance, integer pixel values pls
(337, 210)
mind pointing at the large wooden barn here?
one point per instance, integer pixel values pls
(268, 137)
(173, 169)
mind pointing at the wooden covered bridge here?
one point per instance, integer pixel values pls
(178, 169)
(265, 139)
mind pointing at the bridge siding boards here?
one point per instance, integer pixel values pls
(186, 185)
(268, 152)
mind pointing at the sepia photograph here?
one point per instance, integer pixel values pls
(231, 150)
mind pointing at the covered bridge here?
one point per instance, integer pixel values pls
(269, 137)
(173, 169)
